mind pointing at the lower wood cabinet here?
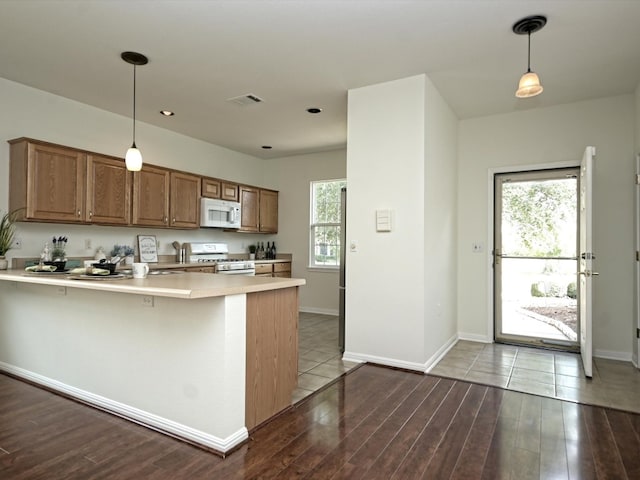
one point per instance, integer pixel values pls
(279, 269)
(272, 353)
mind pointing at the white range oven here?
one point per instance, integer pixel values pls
(217, 254)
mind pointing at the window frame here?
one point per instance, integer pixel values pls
(312, 265)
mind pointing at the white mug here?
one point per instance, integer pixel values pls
(140, 270)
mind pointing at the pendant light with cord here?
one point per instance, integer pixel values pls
(133, 158)
(529, 85)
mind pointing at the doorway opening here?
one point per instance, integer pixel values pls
(535, 258)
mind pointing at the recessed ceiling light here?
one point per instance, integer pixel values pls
(266, 147)
(314, 110)
(167, 113)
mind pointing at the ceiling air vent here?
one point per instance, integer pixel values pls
(246, 99)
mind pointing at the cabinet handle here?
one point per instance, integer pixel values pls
(90, 214)
(78, 212)
(173, 220)
(165, 219)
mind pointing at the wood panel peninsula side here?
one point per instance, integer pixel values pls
(202, 357)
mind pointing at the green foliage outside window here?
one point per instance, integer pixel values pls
(325, 222)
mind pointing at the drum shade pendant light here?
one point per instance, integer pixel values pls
(133, 158)
(529, 85)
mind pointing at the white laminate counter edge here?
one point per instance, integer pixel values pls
(184, 285)
(156, 422)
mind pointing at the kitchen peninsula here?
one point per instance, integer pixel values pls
(202, 357)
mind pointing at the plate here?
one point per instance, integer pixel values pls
(46, 272)
(102, 274)
(115, 276)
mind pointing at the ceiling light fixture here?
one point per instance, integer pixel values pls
(133, 158)
(314, 110)
(167, 113)
(529, 85)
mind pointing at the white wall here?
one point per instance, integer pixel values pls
(401, 137)
(543, 136)
(440, 221)
(292, 177)
(33, 113)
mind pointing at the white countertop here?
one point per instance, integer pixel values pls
(182, 285)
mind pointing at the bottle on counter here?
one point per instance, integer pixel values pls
(268, 255)
(273, 250)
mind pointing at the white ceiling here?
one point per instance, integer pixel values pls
(308, 53)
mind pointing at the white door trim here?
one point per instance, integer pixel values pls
(491, 172)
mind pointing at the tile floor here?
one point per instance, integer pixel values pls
(319, 358)
(544, 372)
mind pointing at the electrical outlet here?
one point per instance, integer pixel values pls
(147, 301)
(87, 244)
(353, 246)
(17, 243)
(61, 290)
(477, 247)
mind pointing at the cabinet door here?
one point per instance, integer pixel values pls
(185, 200)
(282, 270)
(264, 269)
(211, 188)
(108, 191)
(229, 191)
(268, 211)
(55, 184)
(151, 196)
(249, 198)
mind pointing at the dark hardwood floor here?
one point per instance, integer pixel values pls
(374, 423)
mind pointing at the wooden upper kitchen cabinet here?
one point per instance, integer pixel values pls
(216, 188)
(211, 187)
(165, 198)
(151, 196)
(108, 191)
(268, 211)
(259, 210)
(250, 212)
(47, 181)
(184, 204)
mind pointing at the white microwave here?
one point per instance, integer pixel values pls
(219, 213)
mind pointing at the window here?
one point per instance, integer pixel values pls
(324, 237)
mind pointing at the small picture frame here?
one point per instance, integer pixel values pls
(148, 248)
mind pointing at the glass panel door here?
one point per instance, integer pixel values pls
(535, 260)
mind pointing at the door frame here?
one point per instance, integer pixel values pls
(538, 175)
(491, 172)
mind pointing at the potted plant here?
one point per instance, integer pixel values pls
(7, 233)
(252, 252)
(123, 251)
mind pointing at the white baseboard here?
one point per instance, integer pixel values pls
(474, 337)
(634, 360)
(612, 355)
(136, 415)
(389, 362)
(442, 351)
(323, 311)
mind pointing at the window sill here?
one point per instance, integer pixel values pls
(328, 269)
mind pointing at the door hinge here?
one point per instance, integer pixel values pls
(637, 256)
(637, 178)
(637, 332)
